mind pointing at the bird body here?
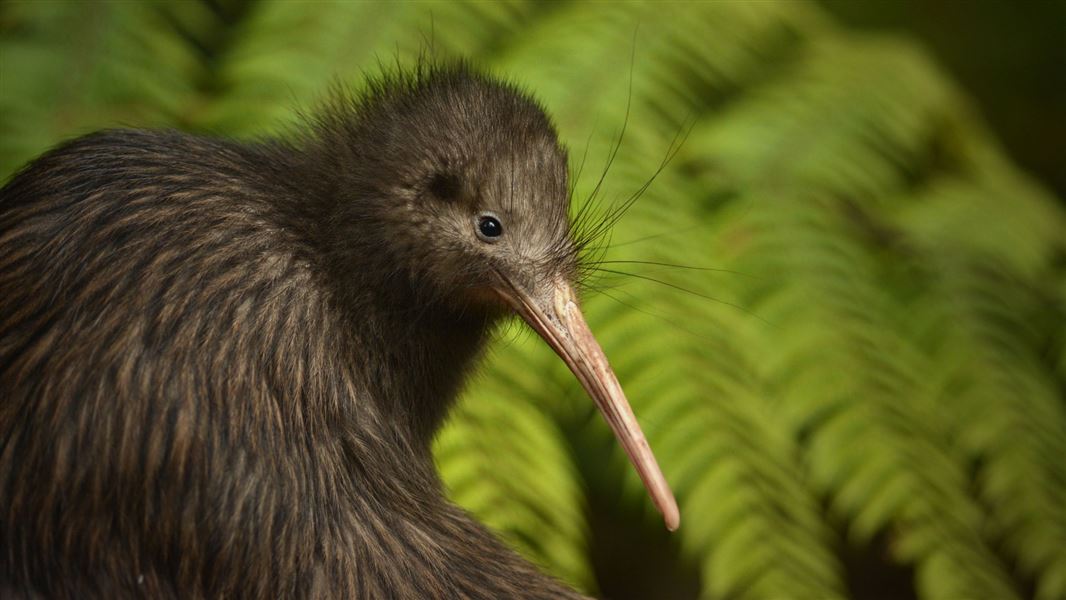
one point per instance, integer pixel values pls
(222, 364)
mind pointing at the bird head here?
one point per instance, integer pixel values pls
(465, 183)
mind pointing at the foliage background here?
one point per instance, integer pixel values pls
(861, 394)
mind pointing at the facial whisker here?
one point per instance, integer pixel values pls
(683, 289)
(655, 236)
(674, 266)
(678, 326)
(610, 217)
(613, 154)
(581, 169)
(615, 214)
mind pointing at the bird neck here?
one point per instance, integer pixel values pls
(412, 354)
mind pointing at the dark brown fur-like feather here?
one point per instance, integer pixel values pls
(216, 380)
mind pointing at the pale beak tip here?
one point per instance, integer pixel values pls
(672, 517)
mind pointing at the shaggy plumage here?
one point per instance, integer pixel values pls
(222, 364)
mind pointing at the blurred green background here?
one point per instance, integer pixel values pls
(854, 374)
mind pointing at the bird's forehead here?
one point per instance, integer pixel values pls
(486, 117)
(505, 145)
(496, 140)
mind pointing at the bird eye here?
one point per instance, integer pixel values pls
(489, 228)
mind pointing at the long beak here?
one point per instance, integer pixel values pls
(557, 318)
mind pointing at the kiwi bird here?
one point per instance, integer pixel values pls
(222, 364)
